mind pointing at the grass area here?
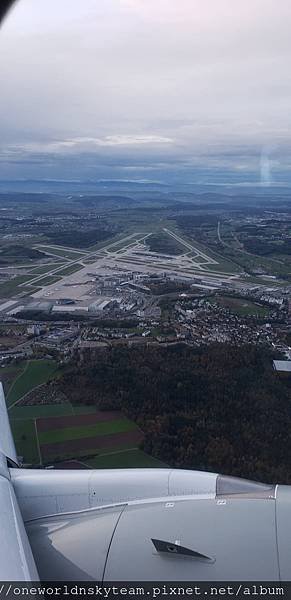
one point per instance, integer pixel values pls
(163, 243)
(70, 269)
(22, 420)
(224, 263)
(35, 373)
(87, 431)
(72, 254)
(251, 263)
(83, 409)
(113, 241)
(88, 454)
(30, 289)
(273, 264)
(40, 410)
(24, 435)
(128, 458)
(96, 461)
(225, 266)
(37, 411)
(48, 280)
(240, 306)
(43, 269)
(11, 288)
(9, 373)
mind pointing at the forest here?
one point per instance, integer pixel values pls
(221, 408)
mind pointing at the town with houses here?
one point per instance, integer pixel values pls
(124, 310)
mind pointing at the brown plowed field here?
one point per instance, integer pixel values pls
(53, 423)
(102, 442)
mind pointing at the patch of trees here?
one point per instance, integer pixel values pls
(168, 287)
(115, 323)
(190, 222)
(39, 315)
(264, 247)
(105, 202)
(220, 408)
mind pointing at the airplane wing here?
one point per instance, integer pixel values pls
(138, 524)
(5, 7)
(16, 559)
(7, 447)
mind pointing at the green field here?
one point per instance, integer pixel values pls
(49, 280)
(96, 429)
(24, 377)
(240, 306)
(40, 410)
(70, 269)
(24, 435)
(48, 410)
(162, 243)
(34, 373)
(71, 254)
(10, 372)
(29, 440)
(10, 288)
(82, 409)
(90, 454)
(131, 458)
(223, 262)
(43, 269)
(22, 420)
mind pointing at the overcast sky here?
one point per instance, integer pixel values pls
(161, 90)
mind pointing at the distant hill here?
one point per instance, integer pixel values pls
(106, 202)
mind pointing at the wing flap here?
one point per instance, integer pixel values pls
(7, 446)
(16, 559)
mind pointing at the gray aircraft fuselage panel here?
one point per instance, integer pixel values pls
(230, 539)
(240, 535)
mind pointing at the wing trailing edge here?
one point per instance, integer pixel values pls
(7, 446)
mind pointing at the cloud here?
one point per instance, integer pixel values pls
(128, 82)
(119, 140)
(83, 144)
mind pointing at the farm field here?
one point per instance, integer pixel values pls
(32, 374)
(85, 435)
(23, 421)
(124, 459)
(24, 435)
(40, 410)
(80, 431)
(46, 434)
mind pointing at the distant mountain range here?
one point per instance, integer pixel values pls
(109, 187)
